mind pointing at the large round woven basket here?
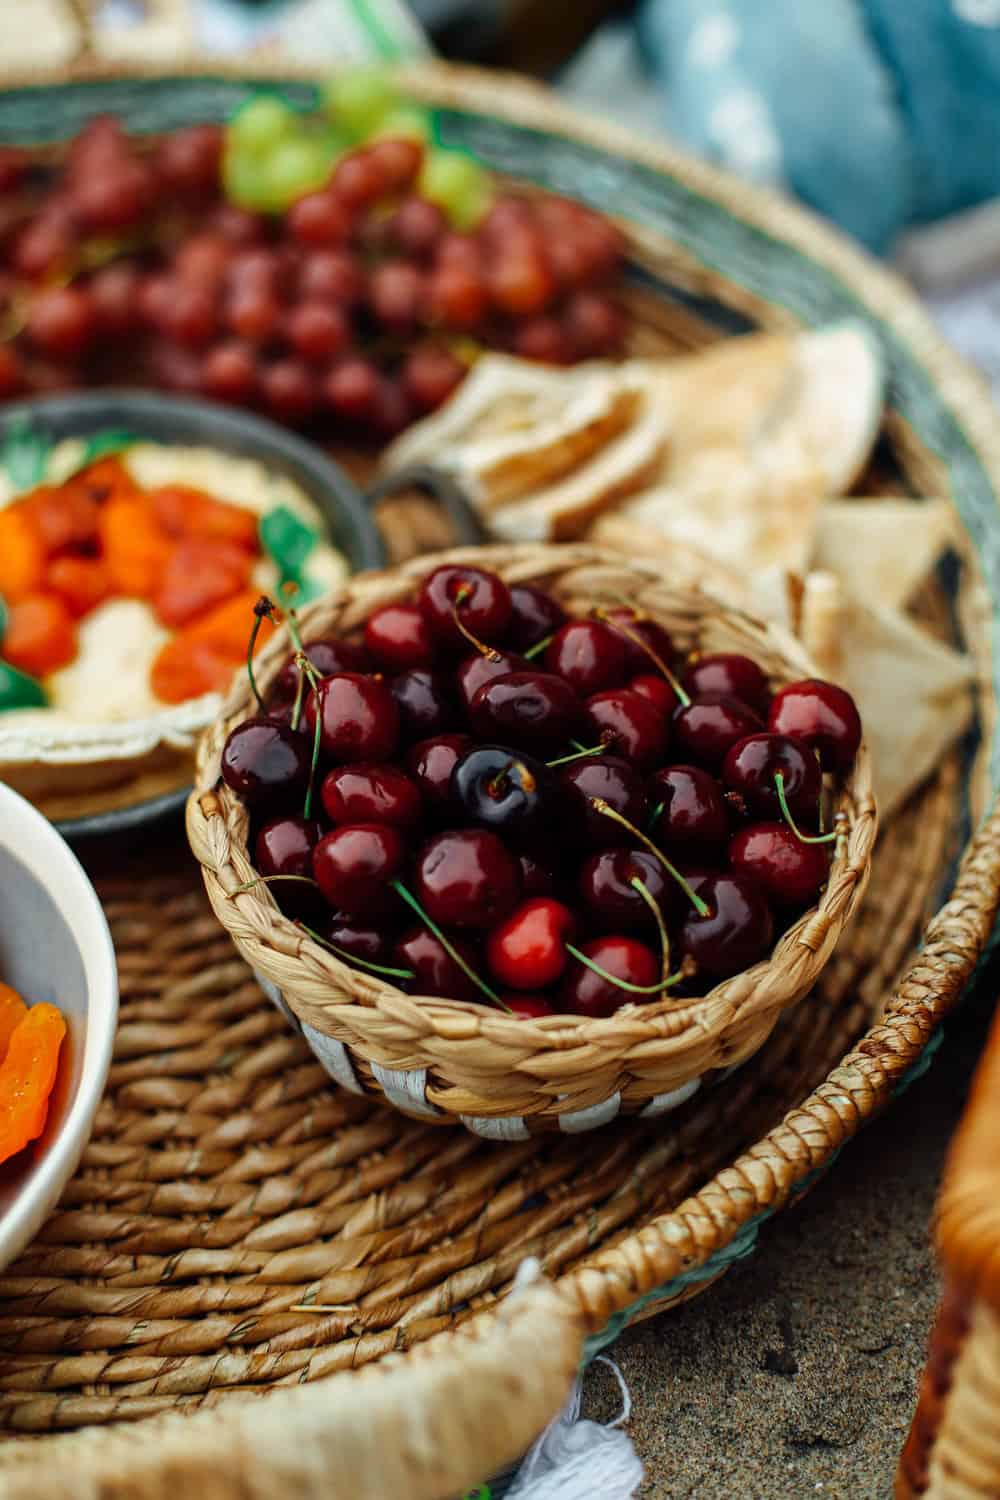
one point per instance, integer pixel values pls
(238, 1226)
(451, 1060)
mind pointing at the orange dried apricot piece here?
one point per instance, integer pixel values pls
(27, 1075)
(103, 480)
(12, 1011)
(199, 575)
(82, 583)
(202, 657)
(185, 511)
(40, 636)
(66, 519)
(136, 548)
(22, 554)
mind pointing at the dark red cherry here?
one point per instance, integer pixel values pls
(605, 886)
(456, 593)
(528, 950)
(533, 709)
(536, 879)
(359, 939)
(707, 728)
(629, 725)
(371, 794)
(658, 691)
(425, 701)
(328, 657)
(466, 878)
(736, 931)
(475, 670)
(354, 865)
(264, 759)
(504, 790)
(823, 715)
(584, 993)
(788, 871)
(398, 637)
(530, 1007)
(727, 672)
(588, 655)
(637, 631)
(431, 763)
(689, 811)
(358, 717)
(435, 971)
(285, 846)
(752, 764)
(611, 780)
(533, 616)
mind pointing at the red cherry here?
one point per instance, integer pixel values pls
(657, 691)
(823, 715)
(634, 627)
(431, 763)
(435, 971)
(707, 728)
(359, 939)
(737, 930)
(530, 1007)
(751, 766)
(455, 594)
(425, 701)
(398, 637)
(359, 719)
(328, 657)
(588, 655)
(528, 950)
(608, 779)
(467, 878)
(536, 880)
(692, 813)
(534, 614)
(285, 846)
(526, 709)
(371, 794)
(789, 871)
(263, 758)
(605, 886)
(353, 866)
(629, 725)
(477, 669)
(729, 673)
(584, 993)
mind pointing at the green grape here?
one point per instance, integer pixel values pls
(457, 184)
(262, 124)
(244, 179)
(406, 123)
(358, 99)
(295, 168)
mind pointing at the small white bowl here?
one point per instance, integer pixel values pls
(55, 946)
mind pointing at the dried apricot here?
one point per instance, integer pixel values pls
(12, 1011)
(185, 511)
(40, 636)
(82, 583)
(22, 554)
(27, 1075)
(199, 575)
(135, 546)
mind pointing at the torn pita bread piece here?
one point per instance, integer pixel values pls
(885, 548)
(685, 566)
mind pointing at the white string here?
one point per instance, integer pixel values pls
(581, 1460)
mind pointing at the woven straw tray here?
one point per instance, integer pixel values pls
(238, 1226)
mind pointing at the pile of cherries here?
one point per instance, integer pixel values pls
(483, 799)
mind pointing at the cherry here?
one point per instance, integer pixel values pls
(359, 939)
(371, 794)
(526, 708)
(737, 930)
(588, 655)
(533, 616)
(789, 871)
(707, 728)
(285, 846)
(606, 889)
(398, 637)
(353, 866)
(690, 812)
(611, 780)
(328, 657)
(530, 1007)
(358, 716)
(499, 789)
(467, 878)
(823, 715)
(536, 880)
(435, 971)
(474, 670)
(727, 672)
(431, 763)
(264, 759)
(633, 627)
(425, 703)
(752, 764)
(629, 725)
(584, 993)
(528, 950)
(657, 690)
(455, 599)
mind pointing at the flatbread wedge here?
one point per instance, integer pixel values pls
(886, 548)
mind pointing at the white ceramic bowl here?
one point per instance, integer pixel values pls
(55, 946)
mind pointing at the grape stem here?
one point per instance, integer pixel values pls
(262, 610)
(637, 640)
(786, 813)
(452, 952)
(352, 958)
(609, 812)
(626, 984)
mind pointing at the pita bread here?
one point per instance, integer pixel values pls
(685, 566)
(886, 548)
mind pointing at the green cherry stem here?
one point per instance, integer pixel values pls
(580, 754)
(601, 614)
(262, 610)
(609, 812)
(643, 890)
(452, 953)
(625, 984)
(248, 885)
(786, 813)
(537, 648)
(654, 815)
(489, 652)
(297, 706)
(352, 958)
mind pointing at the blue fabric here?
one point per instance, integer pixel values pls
(877, 113)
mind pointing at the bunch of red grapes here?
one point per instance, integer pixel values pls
(485, 800)
(360, 303)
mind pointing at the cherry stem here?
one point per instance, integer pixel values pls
(643, 890)
(352, 958)
(297, 705)
(609, 812)
(786, 813)
(626, 984)
(637, 640)
(490, 653)
(262, 610)
(580, 754)
(452, 953)
(538, 647)
(238, 890)
(654, 815)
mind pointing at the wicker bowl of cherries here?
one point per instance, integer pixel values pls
(524, 837)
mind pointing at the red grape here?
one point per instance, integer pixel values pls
(229, 372)
(102, 139)
(351, 388)
(395, 293)
(45, 377)
(205, 258)
(256, 269)
(390, 410)
(397, 159)
(61, 321)
(417, 226)
(13, 168)
(253, 313)
(319, 219)
(112, 196)
(11, 374)
(45, 245)
(188, 160)
(288, 389)
(317, 331)
(429, 376)
(594, 323)
(456, 249)
(457, 296)
(238, 225)
(506, 214)
(519, 280)
(543, 338)
(332, 275)
(114, 290)
(175, 368)
(190, 314)
(155, 293)
(358, 179)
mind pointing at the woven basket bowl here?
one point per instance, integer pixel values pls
(451, 1060)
